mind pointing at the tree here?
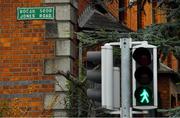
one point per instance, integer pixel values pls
(165, 35)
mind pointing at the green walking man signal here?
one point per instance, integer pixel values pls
(145, 96)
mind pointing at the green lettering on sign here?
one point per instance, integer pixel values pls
(35, 13)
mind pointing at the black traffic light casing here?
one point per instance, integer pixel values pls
(144, 75)
(94, 74)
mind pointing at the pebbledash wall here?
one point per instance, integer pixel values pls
(31, 51)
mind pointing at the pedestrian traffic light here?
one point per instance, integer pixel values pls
(100, 71)
(94, 74)
(144, 74)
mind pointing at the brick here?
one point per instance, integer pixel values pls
(35, 104)
(113, 8)
(24, 49)
(82, 5)
(6, 70)
(34, 114)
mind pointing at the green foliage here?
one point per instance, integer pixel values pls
(166, 36)
(77, 102)
(173, 112)
(89, 39)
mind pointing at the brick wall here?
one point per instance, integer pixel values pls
(171, 61)
(146, 15)
(131, 18)
(173, 92)
(164, 91)
(160, 15)
(82, 4)
(23, 50)
(167, 88)
(113, 8)
(130, 15)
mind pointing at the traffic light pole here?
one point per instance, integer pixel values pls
(125, 45)
(125, 77)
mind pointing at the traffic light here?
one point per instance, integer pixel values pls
(100, 71)
(94, 74)
(144, 74)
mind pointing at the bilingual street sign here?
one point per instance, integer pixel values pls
(35, 13)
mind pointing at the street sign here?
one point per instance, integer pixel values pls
(35, 13)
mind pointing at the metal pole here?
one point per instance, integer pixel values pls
(80, 75)
(125, 77)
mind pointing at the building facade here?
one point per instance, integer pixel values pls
(33, 51)
(135, 17)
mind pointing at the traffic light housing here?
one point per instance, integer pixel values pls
(100, 71)
(144, 74)
(94, 74)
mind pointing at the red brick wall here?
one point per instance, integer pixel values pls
(113, 8)
(130, 16)
(171, 61)
(160, 15)
(23, 49)
(130, 20)
(164, 89)
(82, 5)
(147, 15)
